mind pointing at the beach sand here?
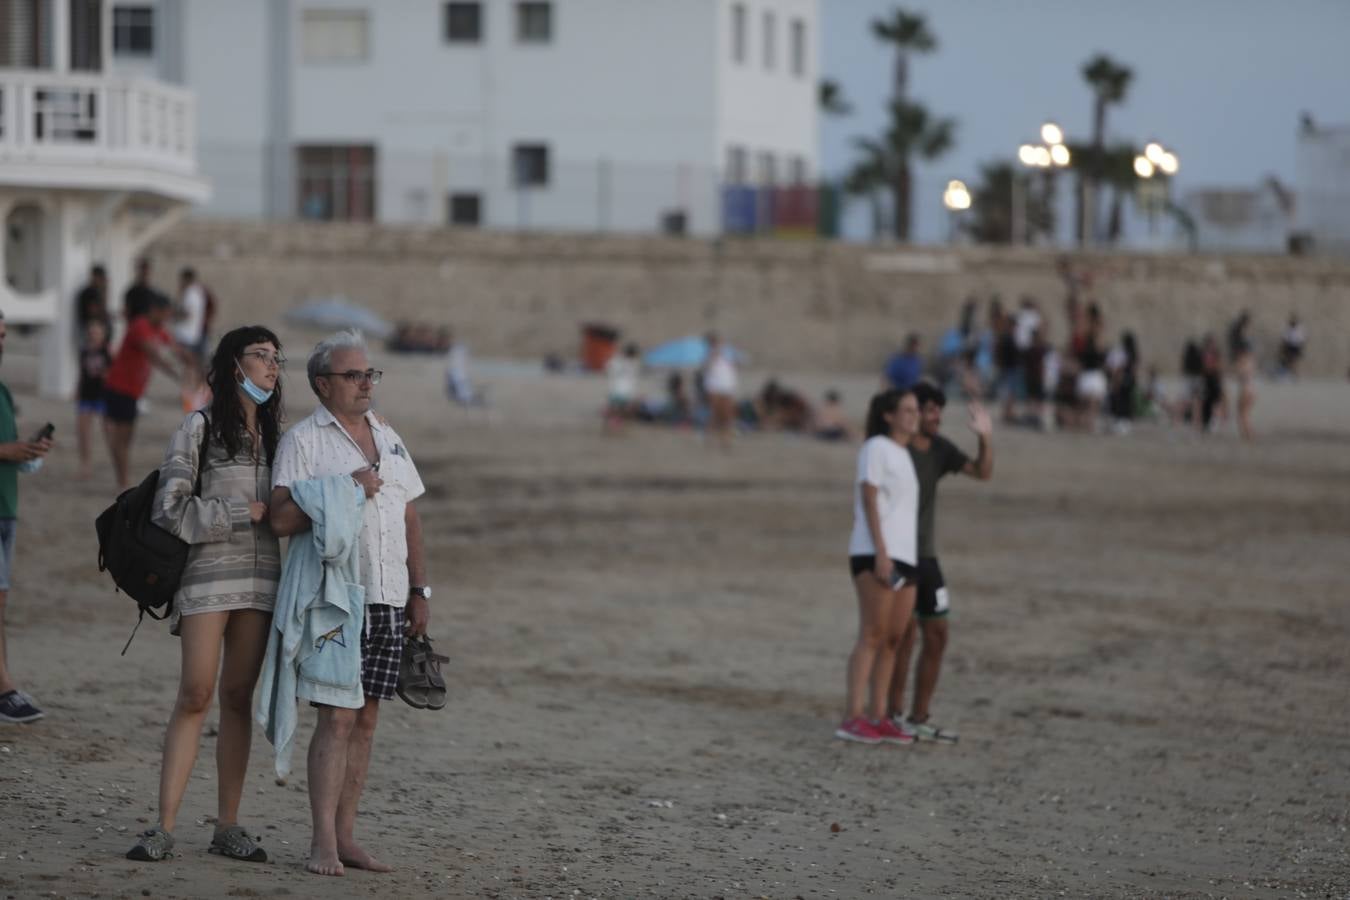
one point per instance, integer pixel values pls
(1148, 668)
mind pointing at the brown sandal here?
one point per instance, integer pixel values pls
(420, 683)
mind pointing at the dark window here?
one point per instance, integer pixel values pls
(534, 23)
(798, 47)
(86, 41)
(134, 30)
(464, 23)
(770, 39)
(529, 165)
(738, 33)
(466, 209)
(336, 184)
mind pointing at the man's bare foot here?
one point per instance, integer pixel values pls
(324, 863)
(355, 856)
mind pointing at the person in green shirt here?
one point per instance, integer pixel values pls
(15, 705)
(934, 457)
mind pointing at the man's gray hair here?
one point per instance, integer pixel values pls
(321, 357)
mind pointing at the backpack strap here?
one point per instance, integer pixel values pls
(201, 453)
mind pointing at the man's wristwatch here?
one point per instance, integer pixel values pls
(424, 592)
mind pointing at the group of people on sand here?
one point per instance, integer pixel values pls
(893, 561)
(341, 484)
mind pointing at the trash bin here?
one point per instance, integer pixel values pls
(598, 343)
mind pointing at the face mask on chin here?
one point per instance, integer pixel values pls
(255, 393)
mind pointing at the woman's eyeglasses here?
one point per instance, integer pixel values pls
(267, 359)
(354, 376)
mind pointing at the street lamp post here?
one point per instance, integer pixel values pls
(1047, 156)
(1155, 168)
(957, 200)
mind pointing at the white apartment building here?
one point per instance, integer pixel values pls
(618, 115)
(1322, 182)
(94, 164)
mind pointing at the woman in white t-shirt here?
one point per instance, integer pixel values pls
(882, 557)
(720, 383)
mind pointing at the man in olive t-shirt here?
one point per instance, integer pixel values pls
(934, 458)
(15, 706)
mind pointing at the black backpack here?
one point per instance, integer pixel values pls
(145, 561)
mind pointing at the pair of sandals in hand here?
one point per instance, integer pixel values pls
(420, 683)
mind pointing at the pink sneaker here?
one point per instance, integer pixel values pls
(890, 733)
(859, 730)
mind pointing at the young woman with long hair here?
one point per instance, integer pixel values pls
(883, 559)
(229, 585)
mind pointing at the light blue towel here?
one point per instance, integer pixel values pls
(314, 648)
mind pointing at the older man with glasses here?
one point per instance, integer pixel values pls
(344, 437)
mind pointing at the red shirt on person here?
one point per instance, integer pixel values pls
(130, 370)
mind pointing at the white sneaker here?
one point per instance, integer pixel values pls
(906, 728)
(927, 731)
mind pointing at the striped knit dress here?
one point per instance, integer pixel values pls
(232, 563)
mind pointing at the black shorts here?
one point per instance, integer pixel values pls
(119, 407)
(381, 650)
(859, 564)
(931, 602)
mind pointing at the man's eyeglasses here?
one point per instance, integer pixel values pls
(266, 358)
(355, 377)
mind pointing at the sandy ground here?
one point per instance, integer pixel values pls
(1149, 670)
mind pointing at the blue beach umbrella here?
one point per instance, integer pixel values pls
(338, 312)
(685, 353)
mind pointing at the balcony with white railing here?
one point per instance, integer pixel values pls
(98, 132)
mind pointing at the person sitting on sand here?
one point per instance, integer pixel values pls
(830, 421)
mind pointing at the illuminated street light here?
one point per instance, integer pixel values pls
(1143, 167)
(957, 196)
(1027, 154)
(1052, 134)
(1154, 153)
(1059, 155)
(1169, 163)
(1042, 157)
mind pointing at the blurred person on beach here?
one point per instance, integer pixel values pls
(934, 458)
(1193, 373)
(1242, 358)
(95, 359)
(1292, 342)
(720, 381)
(141, 296)
(189, 330)
(1212, 400)
(344, 437)
(882, 560)
(229, 585)
(1036, 376)
(621, 374)
(16, 706)
(830, 422)
(1008, 386)
(1093, 385)
(145, 346)
(1122, 368)
(92, 300)
(458, 383)
(905, 368)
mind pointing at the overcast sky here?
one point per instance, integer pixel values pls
(1221, 82)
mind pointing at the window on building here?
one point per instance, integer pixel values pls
(335, 35)
(86, 36)
(770, 36)
(738, 32)
(134, 30)
(336, 183)
(798, 47)
(797, 170)
(529, 165)
(738, 167)
(464, 23)
(534, 22)
(768, 169)
(465, 209)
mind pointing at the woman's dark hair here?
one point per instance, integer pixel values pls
(882, 404)
(227, 413)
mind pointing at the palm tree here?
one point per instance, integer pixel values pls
(992, 205)
(831, 98)
(912, 133)
(866, 179)
(909, 34)
(1110, 81)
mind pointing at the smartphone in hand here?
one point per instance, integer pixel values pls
(45, 434)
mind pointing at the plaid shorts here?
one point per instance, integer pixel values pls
(381, 650)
